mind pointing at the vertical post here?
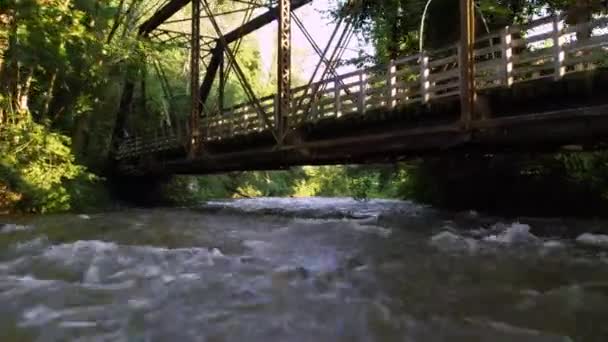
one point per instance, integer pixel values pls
(467, 61)
(284, 67)
(276, 104)
(221, 93)
(424, 78)
(314, 107)
(558, 52)
(295, 116)
(194, 79)
(233, 121)
(391, 83)
(362, 91)
(507, 56)
(337, 97)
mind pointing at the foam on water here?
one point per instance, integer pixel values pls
(336, 270)
(318, 206)
(593, 240)
(39, 315)
(12, 228)
(450, 242)
(516, 233)
(366, 228)
(78, 250)
(77, 324)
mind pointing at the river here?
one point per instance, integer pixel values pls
(300, 270)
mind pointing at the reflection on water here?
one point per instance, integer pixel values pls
(298, 270)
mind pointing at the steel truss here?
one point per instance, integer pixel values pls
(223, 50)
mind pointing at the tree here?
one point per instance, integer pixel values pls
(393, 26)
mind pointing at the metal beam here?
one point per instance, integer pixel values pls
(313, 43)
(283, 107)
(161, 16)
(329, 65)
(246, 18)
(207, 17)
(195, 110)
(333, 59)
(261, 21)
(174, 6)
(211, 72)
(221, 93)
(253, 25)
(467, 61)
(239, 72)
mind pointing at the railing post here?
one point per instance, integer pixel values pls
(507, 56)
(337, 97)
(391, 83)
(466, 61)
(558, 52)
(314, 106)
(424, 78)
(362, 91)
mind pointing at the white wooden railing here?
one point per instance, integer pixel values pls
(543, 48)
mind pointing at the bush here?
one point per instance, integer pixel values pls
(37, 170)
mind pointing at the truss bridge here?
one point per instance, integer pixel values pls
(536, 86)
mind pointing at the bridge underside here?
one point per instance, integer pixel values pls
(534, 116)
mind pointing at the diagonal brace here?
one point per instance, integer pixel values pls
(251, 26)
(239, 72)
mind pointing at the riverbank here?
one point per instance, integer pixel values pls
(499, 185)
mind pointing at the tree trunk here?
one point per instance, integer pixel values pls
(23, 92)
(579, 12)
(116, 23)
(6, 30)
(80, 136)
(49, 94)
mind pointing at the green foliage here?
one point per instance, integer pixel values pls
(576, 184)
(393, 26)
(36, 164)
(588, 169)
(61, 72)
(324, 181)
(359, 182)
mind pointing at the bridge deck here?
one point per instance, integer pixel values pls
(538, 87)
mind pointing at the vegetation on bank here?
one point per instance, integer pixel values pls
(360, 182)
(530, 185)
(60, 63)
(38, 172)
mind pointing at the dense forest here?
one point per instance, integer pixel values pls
(63, 65)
